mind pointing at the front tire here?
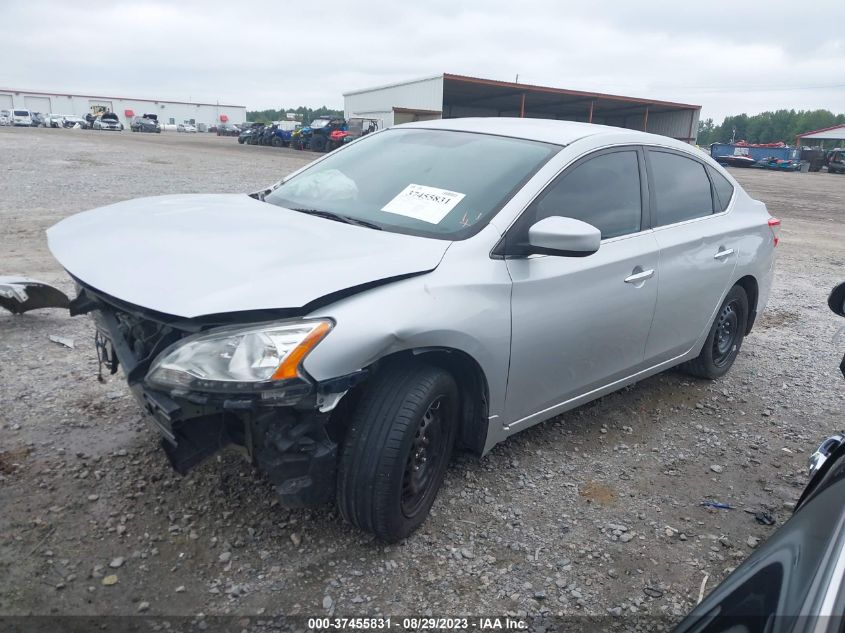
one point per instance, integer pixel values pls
(725, 338)
(397, 449)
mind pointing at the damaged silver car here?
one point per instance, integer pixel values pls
(438, 284)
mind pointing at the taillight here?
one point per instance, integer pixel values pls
(774, 225)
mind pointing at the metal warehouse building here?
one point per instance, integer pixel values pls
(169, 112)
(449, 96)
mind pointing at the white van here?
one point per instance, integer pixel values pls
(22, 118)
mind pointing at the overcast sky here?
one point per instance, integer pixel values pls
(730, 57)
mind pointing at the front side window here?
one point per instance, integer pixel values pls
(681, 188)
(603, 191)
(432, 183)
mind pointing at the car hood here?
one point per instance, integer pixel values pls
(197, 255)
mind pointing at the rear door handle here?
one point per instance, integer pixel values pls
(725, 252)
(638, 277)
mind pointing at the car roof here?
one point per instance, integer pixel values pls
(546, 130)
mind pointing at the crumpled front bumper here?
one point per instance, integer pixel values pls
(286, 436)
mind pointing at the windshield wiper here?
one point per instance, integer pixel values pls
(338, 218)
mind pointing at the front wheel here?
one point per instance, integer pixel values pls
(397, 449)
(724, 339)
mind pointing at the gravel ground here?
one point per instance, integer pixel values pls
(596, 511)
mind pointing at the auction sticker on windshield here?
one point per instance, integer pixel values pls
(428, 204)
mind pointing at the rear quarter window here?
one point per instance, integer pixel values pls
(724, 190)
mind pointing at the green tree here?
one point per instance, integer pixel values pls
(766, 127)
(303, 113)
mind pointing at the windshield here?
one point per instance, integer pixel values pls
(318, 123)
(432, 183)
(21, 112)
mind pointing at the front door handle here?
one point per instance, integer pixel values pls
(639, 277)
(725, 252)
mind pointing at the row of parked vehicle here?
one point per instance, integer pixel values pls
(324, 134)
(92, 121)
(28, 118)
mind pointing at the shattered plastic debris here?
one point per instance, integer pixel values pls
(61, 340)
(717, 505)
(764, 518)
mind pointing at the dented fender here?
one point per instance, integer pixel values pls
(466, 309)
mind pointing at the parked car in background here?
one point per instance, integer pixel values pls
(107, 121)
(437, 284)
(72, 120)
(146, 123)
(5, 117)
(796, 580)
(227, 129)
(22, 118)
(186, 127)
(836, 162)
(38, 120)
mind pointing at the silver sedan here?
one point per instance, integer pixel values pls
(438, 284)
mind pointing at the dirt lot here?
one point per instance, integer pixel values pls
(597, 510)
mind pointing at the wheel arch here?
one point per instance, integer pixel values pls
(752, 291)
(472, 386)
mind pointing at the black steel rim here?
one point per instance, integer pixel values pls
(727, 332)
(428, 450)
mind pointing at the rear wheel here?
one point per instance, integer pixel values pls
(725, 338)
(276, 142)
(397, 449)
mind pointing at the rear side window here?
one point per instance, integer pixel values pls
(603, 191)
(724, 190)
(681, 188)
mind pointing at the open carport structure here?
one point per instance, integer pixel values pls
(834, 135)
(452, 96)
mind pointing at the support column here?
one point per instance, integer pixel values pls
(645, 120)
(522, 107)
(590, 118)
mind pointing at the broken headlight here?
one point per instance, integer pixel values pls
(238, 360)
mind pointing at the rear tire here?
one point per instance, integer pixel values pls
(725, 338)
(397, 449)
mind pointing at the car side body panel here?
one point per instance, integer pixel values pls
(462, 305)
(576, 324)
(464, 301)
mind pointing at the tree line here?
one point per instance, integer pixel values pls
(306, 115)
(766, 127)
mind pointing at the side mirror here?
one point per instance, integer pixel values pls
(836, 300)
(564, 237)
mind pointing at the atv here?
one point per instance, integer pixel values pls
(355, 128)
(316, 136)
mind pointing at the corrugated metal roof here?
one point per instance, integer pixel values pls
(565, 91)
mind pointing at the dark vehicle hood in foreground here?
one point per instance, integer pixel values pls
(196, 255)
